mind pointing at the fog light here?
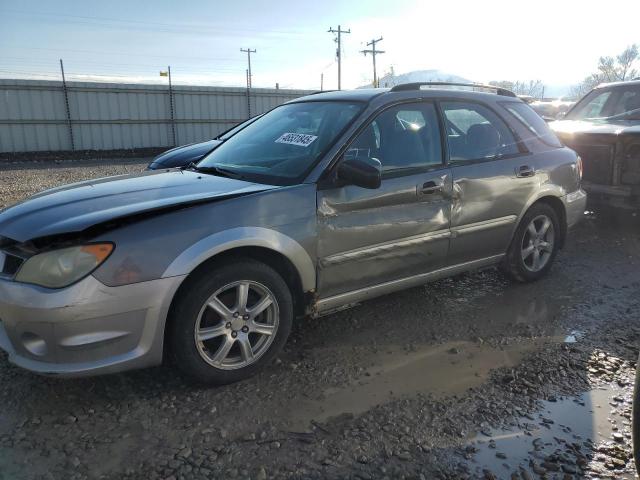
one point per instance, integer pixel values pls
(34, 344)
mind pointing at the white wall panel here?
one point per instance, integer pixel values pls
(109, 116)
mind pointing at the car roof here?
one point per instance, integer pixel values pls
(618, 84)
(361, 95)
(412, 90)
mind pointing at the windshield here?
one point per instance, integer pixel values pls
(233, 130)
(282, 145)
(615, 103)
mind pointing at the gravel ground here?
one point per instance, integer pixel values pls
(470, 377)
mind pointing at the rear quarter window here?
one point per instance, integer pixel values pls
(534, 123)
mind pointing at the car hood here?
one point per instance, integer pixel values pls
(622, 127)
(180, 156)
(77, 207)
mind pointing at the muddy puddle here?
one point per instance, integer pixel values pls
(568, 438)
(441, 370)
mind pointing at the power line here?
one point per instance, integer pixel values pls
(191, 27)
(125, 54)
(373, 53)
(116, 68)
(339, 31)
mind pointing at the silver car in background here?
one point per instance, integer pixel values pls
(321, 203)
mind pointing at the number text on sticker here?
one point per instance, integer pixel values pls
(299, 139)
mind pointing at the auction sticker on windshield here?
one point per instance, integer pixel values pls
(299, 139)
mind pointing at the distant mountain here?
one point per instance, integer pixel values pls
(390, 79)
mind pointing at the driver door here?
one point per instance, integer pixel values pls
(368, 237)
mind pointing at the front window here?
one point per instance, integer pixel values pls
(281, 146)
(404, 138)
(615, 103)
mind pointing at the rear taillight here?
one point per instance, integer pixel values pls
(579, 167)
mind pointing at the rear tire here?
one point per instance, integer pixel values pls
(534, 245)
(229, 323)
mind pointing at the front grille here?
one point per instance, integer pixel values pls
(597, 161)
(10, 259)
(9, 264)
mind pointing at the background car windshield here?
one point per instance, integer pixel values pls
(620, 102)
(284, 143)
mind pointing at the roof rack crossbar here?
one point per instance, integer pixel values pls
(416, 86)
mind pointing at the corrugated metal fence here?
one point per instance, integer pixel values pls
(106, 116)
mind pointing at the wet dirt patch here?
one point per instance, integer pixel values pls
(442, 370)
(582, 436)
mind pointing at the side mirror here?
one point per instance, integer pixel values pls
(362, 173)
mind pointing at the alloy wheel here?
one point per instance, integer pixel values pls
(538, 243)
(236, 325)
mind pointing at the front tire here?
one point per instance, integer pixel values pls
(229, 323)
(535, 244)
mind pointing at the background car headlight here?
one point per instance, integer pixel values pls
(60, 268)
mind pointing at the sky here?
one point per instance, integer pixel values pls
(558, 42)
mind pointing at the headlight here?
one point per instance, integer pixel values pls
(60, 268)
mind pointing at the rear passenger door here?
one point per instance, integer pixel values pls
(492, 180)
(368, 237)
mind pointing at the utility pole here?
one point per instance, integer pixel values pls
(171, 104)
(66, 104)
(248, 51)
(322, 82)
(167, 73)
(373, 53)
(339, 31)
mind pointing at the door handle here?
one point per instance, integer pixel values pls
(429, 188)
(525, 171)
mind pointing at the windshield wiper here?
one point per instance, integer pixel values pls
(192, 165)
(628, 115)
(221, 172)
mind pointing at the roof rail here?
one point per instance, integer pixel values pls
(318, 92)
(416, 86)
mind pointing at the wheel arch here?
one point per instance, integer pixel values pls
(252, 239)
(242, 248)
(278, 251)
(554, 200)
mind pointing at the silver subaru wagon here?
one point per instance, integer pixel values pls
(319, 204)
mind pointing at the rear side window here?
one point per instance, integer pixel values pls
(534, 123)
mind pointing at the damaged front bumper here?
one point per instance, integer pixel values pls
(87, 328)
